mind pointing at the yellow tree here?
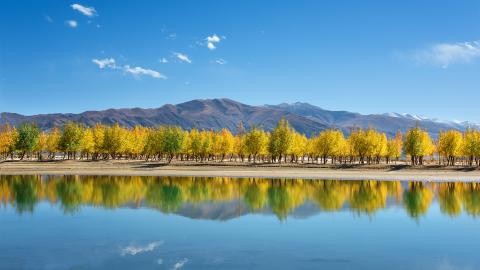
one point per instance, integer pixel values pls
(8, 137)
(42, 144)
(98, 133)
(195, 140)
(226, 143)
(450, 145)
(360, 144)
(380, 145)
(114, 140)
(471, 146)
(135, 141)
(53, 141)
(206, 146)
(280, 140)
(394, 147)
(256, 143)
(299, 146)
(240, 147)
(87, 143)
(329, 144)
(418, 144)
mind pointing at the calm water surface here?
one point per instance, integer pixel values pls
(98, 222)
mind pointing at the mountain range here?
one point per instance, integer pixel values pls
(226, 113)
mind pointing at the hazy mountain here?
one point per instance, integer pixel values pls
(389, 123)
(219, 113)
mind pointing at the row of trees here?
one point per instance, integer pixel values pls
(282, 196)
(282, 144)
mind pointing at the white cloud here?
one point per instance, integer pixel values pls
(221, 61)
(134, 250)
(87, 11)
(160, 261)
(72, 23)
(143, 71)
(212, 40)
(163, 60)
(211, 46)
(446, 54)
(136, 71)
(180, 264)
(183, 57)
(106, 62)
(171, 36)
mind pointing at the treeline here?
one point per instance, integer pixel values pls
(281, 145)
(281, 196)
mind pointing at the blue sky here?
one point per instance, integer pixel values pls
(420, 57)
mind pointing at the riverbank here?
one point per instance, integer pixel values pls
(309, 171)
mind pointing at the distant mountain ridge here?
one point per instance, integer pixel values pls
(226, 113)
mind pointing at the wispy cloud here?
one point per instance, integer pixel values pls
(106, 62)
(136, 71)
(134, 250)
(171, 36)
(212, 41)
(143, 71)
(163, 60)
(221, 61)
(87, 11)
(72, 23)
(179, 264)
(183, 57)
(446, 54)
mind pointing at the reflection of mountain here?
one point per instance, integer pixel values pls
(225, 198)
(230, 210)
(214, 210)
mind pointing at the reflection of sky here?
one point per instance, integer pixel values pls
(93, 238)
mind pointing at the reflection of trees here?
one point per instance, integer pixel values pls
(70, 194)
(330, 195)
(369, 196)
(256, 196)
(417, 199)
(471, 199)
(449, 196)
(279, 201)
(110, 193)
(282, 196)
(165, 197)
(25, 193)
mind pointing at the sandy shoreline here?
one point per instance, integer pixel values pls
(141, 168)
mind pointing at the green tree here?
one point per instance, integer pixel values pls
(417, 145)
(172, 141)
(71, 139)
(27, 139)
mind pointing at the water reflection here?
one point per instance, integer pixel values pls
(223, 198)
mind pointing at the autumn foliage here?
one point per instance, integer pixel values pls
(281, 145)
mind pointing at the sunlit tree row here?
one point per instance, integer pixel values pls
(281, 196)
(281, 145)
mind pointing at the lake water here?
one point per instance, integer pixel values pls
(98, 222)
